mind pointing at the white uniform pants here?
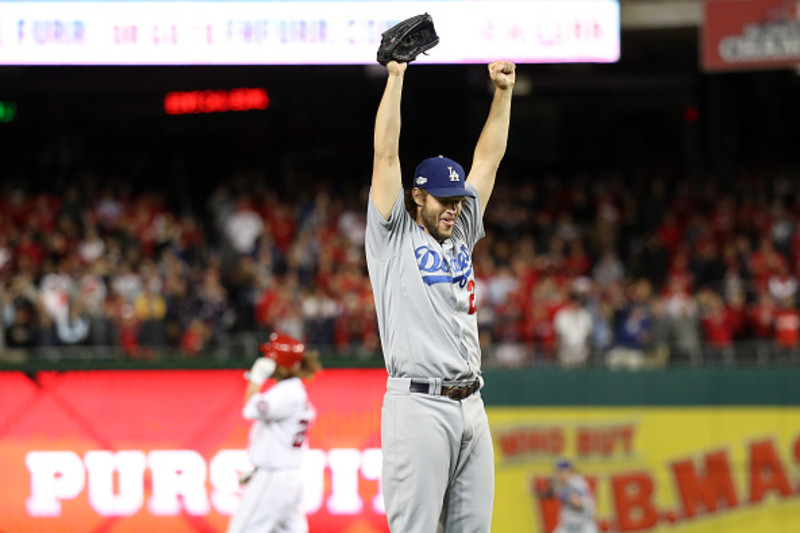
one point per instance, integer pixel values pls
(438, 462)
(271, 504)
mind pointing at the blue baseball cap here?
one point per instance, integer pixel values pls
(442, 177)
(562, 463)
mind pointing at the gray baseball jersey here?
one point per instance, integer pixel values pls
(572, 520)
(425, 293)
(438, 461)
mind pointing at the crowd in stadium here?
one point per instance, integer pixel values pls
(632, 269)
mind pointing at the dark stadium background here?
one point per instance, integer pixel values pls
(654, 107)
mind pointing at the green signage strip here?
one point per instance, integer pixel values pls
(679, 386)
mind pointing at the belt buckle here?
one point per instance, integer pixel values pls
(461, 392)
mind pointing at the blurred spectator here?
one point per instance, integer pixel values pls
(28, 249)
(319, 316)
(150, 310)
(573, 326)
(511, 354)
(57, 288)
(765, 262)
(501, 285)
(122, 319)
(19, 313)
(717, 326)
(634, 330)
(195, 337)
(761, 317)
(212, 304)
(72, 206)
(706, 265)
(108, 210)
(243, 227)
(602, 315)
(537, 316)
(736, 307)
(91, 247)
(650, 259)
(74, 327)
(179, 312)
(782, 284)
(281, 222)
(682, 315)
(577, 262)
(126, 281)
(242, 286)
(658, 352)
(46, 335)
(93, 292)
(609, 269)
(787, 326)
(670, 233)
(5, 253)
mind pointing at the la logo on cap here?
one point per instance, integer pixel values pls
(453, 174)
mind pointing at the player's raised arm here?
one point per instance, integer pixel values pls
(492, 143)
(386, 178)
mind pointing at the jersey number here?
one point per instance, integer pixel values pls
(471, 289)
(300, 436)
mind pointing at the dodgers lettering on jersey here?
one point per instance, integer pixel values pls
(434, 269)
(425, 293)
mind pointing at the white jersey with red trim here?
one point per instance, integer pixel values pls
(282, 416)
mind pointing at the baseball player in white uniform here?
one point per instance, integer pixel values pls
(438, 463)
(281, 417)
(577, 502)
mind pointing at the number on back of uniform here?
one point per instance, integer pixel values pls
(300, 436)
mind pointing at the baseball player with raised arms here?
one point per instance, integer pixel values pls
(438, 461)
(281, 417)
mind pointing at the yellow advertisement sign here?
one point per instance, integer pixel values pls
(677, 470)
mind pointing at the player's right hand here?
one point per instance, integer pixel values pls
(261, 370)
(503, 74)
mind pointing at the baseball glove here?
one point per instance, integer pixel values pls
(404, 41)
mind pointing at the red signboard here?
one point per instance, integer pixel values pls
(750, 34)
(154, 451)
(241, 99)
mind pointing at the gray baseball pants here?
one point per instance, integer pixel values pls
(438, 461)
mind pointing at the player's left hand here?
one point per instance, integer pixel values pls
(503, 74)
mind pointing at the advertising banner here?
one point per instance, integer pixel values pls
(288, 32)
(750, 34)
(161, 451)
(677, 470)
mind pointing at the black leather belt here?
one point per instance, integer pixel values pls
(454, 392)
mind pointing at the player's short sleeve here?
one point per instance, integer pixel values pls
(382, 239)
(469, 226)
(273, 404)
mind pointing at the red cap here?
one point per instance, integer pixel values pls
(286, 351)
